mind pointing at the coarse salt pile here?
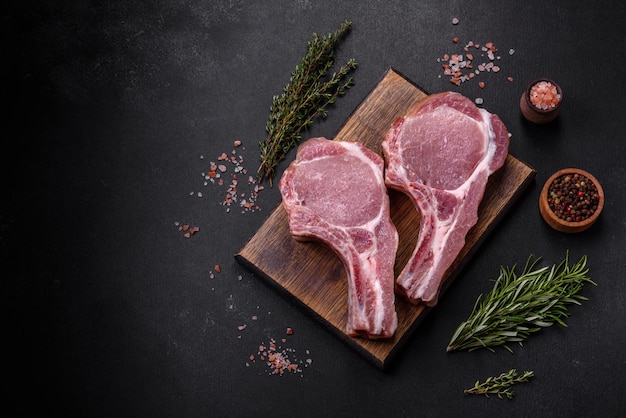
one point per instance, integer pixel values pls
(544, 95)
(279, 360)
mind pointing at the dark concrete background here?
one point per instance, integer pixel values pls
(115, 110)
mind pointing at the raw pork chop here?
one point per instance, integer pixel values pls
(441, 154)
(335, 192)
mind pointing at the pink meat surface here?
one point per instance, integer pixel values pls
(335, 192)
(441, 154)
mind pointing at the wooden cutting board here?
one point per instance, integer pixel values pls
(312, 275)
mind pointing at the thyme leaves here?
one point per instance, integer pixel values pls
(499, 385)
(307, 95)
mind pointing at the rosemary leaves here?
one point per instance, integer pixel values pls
(518, 306)
(307, 95)
(500, 385)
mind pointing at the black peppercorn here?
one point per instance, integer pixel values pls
(573, 197)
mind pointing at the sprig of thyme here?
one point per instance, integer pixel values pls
(305, 97)
(518, 306)
(500, 385)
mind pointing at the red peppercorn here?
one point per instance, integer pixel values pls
(574, 197)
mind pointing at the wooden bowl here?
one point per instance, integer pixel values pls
(534, 114)
(560, 224)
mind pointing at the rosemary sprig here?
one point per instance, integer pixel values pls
(518, 306)
(307, 95)
(500, 385)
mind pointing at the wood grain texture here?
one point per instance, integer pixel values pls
(312, 275)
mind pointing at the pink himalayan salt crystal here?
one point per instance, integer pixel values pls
(544, 95)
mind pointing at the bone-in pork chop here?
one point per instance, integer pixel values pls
(334, 192)
(440, 154)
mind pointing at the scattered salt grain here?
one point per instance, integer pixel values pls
(461, 67)
(216, 171)
(455, 21)
(186, 229)
(478, 101)
(279, 360)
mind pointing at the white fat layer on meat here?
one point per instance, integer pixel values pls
(439, 244)
(367, 258)
(380, 308)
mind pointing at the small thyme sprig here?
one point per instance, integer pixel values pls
(518, 306)
(305, 97)
(500, 385)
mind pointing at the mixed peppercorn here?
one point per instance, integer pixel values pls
(573, 197)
